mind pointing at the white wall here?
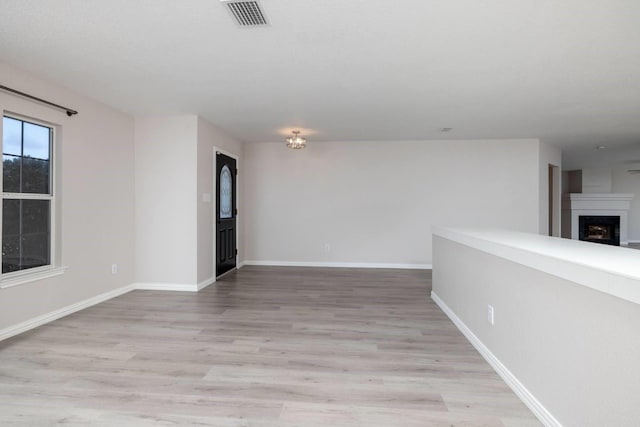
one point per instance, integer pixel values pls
(375, 202)
(166, 199)
(209, 137)
(549, 155)
(597, 180)
(174, 223)
(97, 196)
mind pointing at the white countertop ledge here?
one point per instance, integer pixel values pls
(609, 269)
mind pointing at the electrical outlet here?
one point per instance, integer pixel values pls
(490, 317)
(327, 247)
(114, 268)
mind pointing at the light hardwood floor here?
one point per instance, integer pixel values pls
(266, 346)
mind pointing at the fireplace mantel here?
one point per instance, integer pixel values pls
(598, 204)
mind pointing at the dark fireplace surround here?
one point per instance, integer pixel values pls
(600, 229)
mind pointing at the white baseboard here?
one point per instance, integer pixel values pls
(205, 283)
(181, 287)
(240, 265)
(339, 264)
(633, 241)
(518, 388)
(57, 314)
(65, 311)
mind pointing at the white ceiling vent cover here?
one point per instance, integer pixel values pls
(246, 13)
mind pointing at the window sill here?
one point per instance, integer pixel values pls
(30, 276)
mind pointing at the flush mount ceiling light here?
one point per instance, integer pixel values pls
(296, 141)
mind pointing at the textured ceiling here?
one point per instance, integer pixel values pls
(567, 71)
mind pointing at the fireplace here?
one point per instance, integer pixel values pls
(610, 211)
(600, 229)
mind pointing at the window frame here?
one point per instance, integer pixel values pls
(52, 269)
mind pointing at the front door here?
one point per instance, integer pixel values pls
(225, 214)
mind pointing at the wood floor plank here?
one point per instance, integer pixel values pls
(265, 346)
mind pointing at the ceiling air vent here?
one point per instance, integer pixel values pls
(246, 13)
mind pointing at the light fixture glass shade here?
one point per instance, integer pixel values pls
(296, 141)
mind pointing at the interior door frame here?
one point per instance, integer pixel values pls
(555, 200)
(215, 208)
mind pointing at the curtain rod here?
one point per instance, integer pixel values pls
(69, 111)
